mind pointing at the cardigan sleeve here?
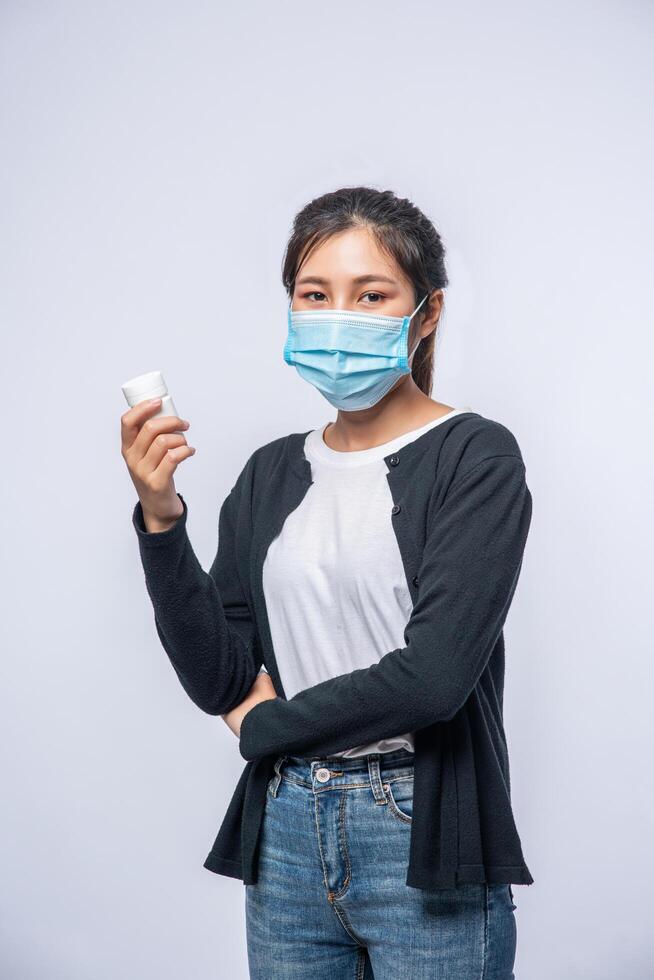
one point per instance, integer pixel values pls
(467, 577)
(202, 618)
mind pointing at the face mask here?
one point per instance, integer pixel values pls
(353, 358)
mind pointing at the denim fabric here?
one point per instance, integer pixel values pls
(331, 900)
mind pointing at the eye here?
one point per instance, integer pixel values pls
(374, 294)
(315, 292)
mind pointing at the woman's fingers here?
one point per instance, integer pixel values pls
(131, 422)
(162, 455)
(158, 478)
(152, 449)
(264, 686)
(146, 441)
(151, 429)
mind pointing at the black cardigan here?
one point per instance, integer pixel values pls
(461, 514)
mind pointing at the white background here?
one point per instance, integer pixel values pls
(153, 157)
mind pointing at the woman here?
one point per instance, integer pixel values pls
(369, 564)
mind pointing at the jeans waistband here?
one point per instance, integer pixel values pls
(352, 761)
(329, 772)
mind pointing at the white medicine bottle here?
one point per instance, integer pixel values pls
(150, 385)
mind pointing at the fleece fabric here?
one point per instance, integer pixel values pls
(461, 514)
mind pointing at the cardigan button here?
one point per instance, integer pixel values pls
(394, 460)
(415, 580)
(395, 509)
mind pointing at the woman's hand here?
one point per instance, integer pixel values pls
(262, 690)
(152, 449)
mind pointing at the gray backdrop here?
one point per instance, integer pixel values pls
(153, 156)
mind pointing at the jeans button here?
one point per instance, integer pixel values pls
(322, 775)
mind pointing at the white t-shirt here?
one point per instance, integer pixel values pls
(335, 587)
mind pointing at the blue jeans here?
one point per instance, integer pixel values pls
(331, 901)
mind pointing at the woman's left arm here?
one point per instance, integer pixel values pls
(468, 575)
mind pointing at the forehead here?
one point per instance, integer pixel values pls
(349, 254)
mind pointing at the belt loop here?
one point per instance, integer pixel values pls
(375, 779)
(277, 778)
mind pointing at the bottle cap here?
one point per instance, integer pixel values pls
(149, 385)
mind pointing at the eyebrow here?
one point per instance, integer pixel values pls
(358, 279)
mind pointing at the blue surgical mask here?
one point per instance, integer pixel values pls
(353, 358)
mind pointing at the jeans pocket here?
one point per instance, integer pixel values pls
(276, 778)
(399, 794)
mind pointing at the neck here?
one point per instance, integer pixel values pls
(404, 408)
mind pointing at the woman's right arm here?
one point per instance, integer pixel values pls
(202, 618)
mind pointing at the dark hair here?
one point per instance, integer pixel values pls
(400, 229)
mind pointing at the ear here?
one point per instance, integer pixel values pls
(432, 308)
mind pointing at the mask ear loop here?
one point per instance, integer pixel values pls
(413, 352)
(418, 306)
(410, 358)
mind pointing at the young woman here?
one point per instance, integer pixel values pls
(369, 564)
